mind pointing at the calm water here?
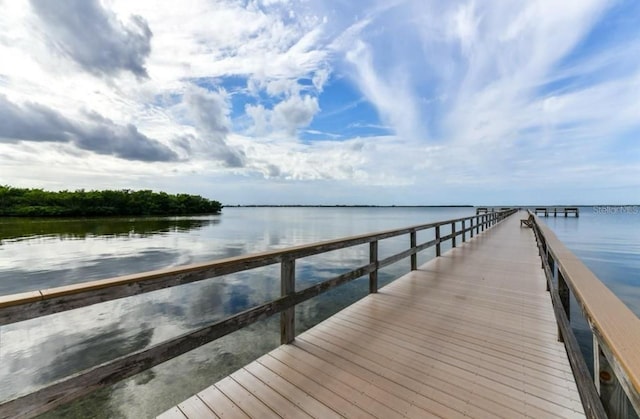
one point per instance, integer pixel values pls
(37, 254)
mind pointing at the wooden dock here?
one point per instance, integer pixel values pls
(555, 211)
(480, 331)
(469, 334)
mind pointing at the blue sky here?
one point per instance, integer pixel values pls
(325, 102)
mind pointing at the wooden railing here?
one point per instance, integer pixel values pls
(20, 307)
(615, 328)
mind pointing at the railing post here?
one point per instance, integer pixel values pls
(596, 361)
(453, 234)
(414, 257)
(484, 221)
(563, 292)
(552, 265)
(471, 226)
(477, 224)
(287, 287)
(464, 232)
(437, 240)
(373, 258)
(614, 398)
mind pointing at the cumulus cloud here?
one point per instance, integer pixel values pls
(94, 38)
(104, 136)
(210, 111)
(287, 116)
(34, 122)
(294, 112)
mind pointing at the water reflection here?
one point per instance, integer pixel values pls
(91, 350)
(103, 265)
(79, 228)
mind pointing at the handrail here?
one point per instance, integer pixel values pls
(616, 329)
(19, 307)
(28, 305)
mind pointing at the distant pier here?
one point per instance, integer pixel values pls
(555, 211)
(545, 211)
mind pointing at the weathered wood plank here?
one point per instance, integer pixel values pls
(395, 258)
(173, 413)
(250, 404)
(382, 375)
(399, 405)
(195, 408)
(412, 245)
(373, 259)
(349, 390)
(296, 395)
(315, 387)
(453, 234)
(288, 288)
(219, 403)
(283, 406)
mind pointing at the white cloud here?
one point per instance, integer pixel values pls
(209, 111)
(287, 116)
(465, 26)
(294, 113)
(389, 94)
(113, 46)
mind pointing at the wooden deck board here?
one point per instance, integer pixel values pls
(469, 334)
(244, 399)
(423, 363)
(303, 400)
(173, 413)
(314, 386)
(194, 407)
(284, 407)
(546, 374)
(221, 404)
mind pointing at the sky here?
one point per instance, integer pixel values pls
(385, 102)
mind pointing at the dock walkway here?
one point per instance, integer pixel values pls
(469, 334)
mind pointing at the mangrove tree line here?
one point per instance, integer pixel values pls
(22, 202)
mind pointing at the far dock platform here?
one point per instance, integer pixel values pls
(471, 333)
